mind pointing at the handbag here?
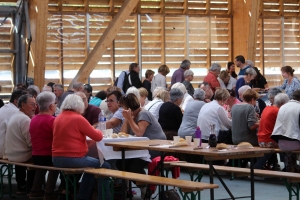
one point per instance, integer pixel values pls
(171, 195)
(225, 136)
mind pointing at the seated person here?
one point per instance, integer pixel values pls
(190, 116)
(209, 94)
(41, 133)
(18, 141)
(98, 98)
(272, 93)
(154, 105)
(232, 100)
(170, 115)
(250, 74)
(141, 123)
(286, 131)
(143, 97)
(186, 97)
(113, 105)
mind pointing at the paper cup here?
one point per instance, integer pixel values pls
(196, 142)
(105, 133)
(109, 132)
(188, 139)
(176, 139)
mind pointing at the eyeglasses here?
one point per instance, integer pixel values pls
(33, 104)
(111, 101)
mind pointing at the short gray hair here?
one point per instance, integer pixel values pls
(273, 92)
(59, 86)
(250, 71)
(215, 67)
(47, 88)
(157, 91)
(243, 89)
(185, 64)
(281, 99)
(188, 73)
(179, 86)
(23, 99)
(73, 102)
(36, 88)
(250, 63)
(175, 94)
(44, 100)
(78, 85)
(199, 94)
(133, 90)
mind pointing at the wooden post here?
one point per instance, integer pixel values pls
(38, 11)
(104, 42)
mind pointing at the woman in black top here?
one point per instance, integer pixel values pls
(147, 82)
(259, 81)
(134, 69)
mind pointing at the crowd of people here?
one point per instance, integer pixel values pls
(50, 127)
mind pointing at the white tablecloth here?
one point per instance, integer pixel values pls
(107, 152)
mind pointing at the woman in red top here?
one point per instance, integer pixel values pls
(69, 147)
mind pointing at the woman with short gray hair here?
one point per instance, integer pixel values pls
(186, 98)
(188, 77)
(190, 116)
(170, 115)
(245, 80)
(69, 147)
(272, 93)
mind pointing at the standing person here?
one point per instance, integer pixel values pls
(134, 75)
(147, 82)
(41, 133)
(178, 75)
(188, 77)
(291, 83)
(120, 79)
(211, 77)
(58, 90)
(18, 141)
(231, 69)
(240, 63)
(159, 80)
(69, 147)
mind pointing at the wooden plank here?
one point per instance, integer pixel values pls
(104, 42)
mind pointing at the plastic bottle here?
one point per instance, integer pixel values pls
(198, 134)
(102, 121)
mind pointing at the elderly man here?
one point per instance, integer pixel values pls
(190, 116)
(6, 112)
(41, 132)
(208, 91)
(77, 87)
(18, 141)
(240, 63)
(178, 75)
(58, 90)
(211, 77)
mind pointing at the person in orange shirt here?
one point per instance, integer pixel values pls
(211, 77)
(69, 147)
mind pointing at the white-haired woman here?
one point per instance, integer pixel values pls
(190, 116)
(170, 115)
(134, 90)
(250, 74)
(186, 98)
(69, 147)
(188, 77)
(154, 106)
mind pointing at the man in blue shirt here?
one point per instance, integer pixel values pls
(240, 63)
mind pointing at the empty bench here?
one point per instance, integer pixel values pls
(68, 173)
(289, 178)
(184, 185)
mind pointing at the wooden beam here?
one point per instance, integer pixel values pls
(104, 42)
(253, 26)
(38, 11)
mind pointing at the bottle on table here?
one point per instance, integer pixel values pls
(212, 140)
(102, 121)
(198, 135)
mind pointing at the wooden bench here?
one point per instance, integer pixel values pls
(184, 185)
(68, 173)
(289, 178)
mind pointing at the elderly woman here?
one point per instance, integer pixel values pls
(154, 106)
(141, 123)
(214, 113)
(272, 93)
(226, 81)
(159, 80)
(69, 147)
(186, 98)
(189, 120)
(291, 83)
(143, 97)
(286, 130)
(41, 134)
(188, 77)
(267, 123)
(116, 121)
(244, 120)
(135, 91)
(250, 74)
(259, 82)
(212, 75)
(170, 115)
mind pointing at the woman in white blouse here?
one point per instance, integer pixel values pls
(159, 80)
(214, 113)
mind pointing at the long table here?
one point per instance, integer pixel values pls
(210, 154)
